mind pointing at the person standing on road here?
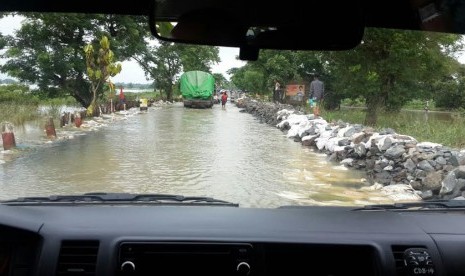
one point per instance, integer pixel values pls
(276, 91)
(122, 100)
(317, 90)
(224, 99)
(300, 94)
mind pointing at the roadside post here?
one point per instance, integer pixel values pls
(50, 128)
(78, 120)
(8, 136)
(143, 104)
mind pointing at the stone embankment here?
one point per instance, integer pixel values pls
(391, 160)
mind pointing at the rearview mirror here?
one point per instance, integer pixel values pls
(306, 25)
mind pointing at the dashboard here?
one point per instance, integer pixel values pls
(203, 240)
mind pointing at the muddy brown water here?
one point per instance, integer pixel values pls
(218, 153)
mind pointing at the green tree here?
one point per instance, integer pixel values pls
(254, 81)
(449, 92)
(389, 66)
(237, 77)
(165, 62)
(47, 49)
(197, 57)
(220, 80)
(100, 66)
(250, 79)
(284, 66)
(163, 65)
(275, 65)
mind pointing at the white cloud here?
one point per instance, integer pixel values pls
(228, 60)
(131, 72)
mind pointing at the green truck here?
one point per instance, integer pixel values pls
(197, 88)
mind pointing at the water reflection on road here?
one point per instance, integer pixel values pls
(212, 152)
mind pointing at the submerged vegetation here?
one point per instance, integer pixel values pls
(19, 104)
(17, 114)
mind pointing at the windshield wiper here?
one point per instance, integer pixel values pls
(120, 198)
(421, 205)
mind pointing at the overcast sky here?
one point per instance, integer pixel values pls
(131, 71)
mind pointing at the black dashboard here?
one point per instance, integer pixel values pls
(180, 240)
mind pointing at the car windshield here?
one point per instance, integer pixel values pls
(94, 103)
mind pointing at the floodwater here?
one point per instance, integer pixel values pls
(421, 115)
(217, 153)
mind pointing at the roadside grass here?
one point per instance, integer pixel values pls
(53, 107)
(132, 96)
(18, 104)
(68, 101)
(17, 114)
(423, 127)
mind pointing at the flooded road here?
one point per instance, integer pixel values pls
(212, 152)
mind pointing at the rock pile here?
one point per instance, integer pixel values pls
(389, 159)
